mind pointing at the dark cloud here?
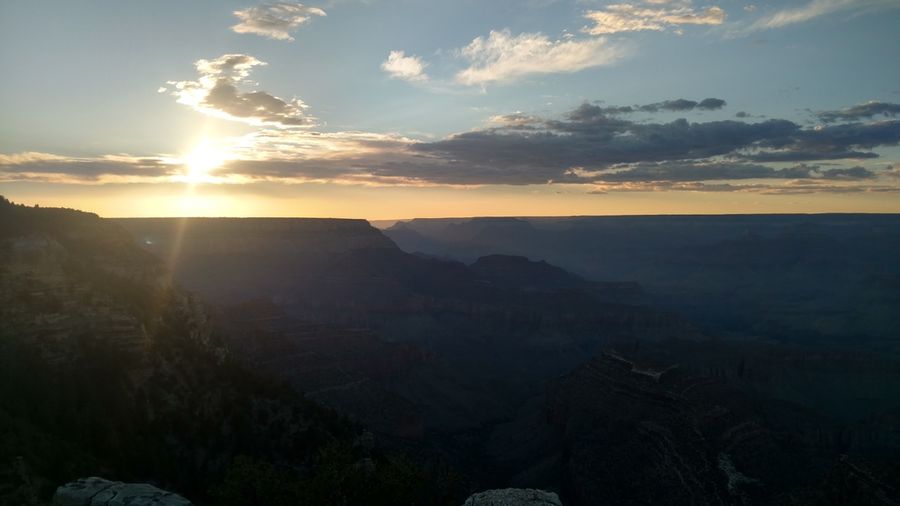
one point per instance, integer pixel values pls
(683, 172)
(40, 165)
(592, 144)
(216, 92)
(796, 155)
(849, 173)
(596, 137)
(588, 110)
(860, 111)
(671, 105)
(682, 104)
(597, 140)
(711, 104)
(679, 172)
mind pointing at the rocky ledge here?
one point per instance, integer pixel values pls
(513, 497)
(99, 492)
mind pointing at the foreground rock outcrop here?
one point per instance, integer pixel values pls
(99, 492)
(513, 497)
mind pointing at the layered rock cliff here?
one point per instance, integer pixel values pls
(110, 370)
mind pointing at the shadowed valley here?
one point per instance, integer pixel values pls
(277, 360)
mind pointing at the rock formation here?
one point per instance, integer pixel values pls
(99, 492)
(513, 497)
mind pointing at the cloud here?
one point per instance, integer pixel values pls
(715, 171)
(407, 68)
(504, 57)
(34, 166)
(860, 111)
(812, 10)
(531, 150)
(617, 18)
(694, 171)
(708, 104)
(514, 119)
(589, 146)
(788, 188)
(794, 15)
(274, 21)
(849, 173)
(586, 110)
(798, 155)
(215, 92)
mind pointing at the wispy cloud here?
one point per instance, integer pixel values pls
(617, 18)
(47, 167)
(860, 111)
(801, 14)
(503, 57)
(408, 68)
(215, 92)
(798, 187)
(274, 21)
(813, 9)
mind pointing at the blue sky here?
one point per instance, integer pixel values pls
(83, 110)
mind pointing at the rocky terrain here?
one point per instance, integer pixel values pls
(489, 365)
(826, 278)
(410, 346)
(110, 370)
(286, 361)
(513, 497)
(99, 492)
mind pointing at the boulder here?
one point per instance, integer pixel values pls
(99, 492)
(513, 497)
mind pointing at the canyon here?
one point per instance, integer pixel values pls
(209, 356)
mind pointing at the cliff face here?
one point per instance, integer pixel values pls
(519, 272)
(418, 348)
(110, 370)
(822, 279)
(495, 322)
(232, 260)
(348, 369)
(658, 431)
(66, 275)
(658, 435)
(198, 236)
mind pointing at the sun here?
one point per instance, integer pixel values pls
(202, 161)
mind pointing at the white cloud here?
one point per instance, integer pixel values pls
(814, 9)
(795, 15)
(275, 21)
(409, 68)
(618, 18)
(215, 92)
(502, 56)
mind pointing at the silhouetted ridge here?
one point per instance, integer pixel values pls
(109, 370)
(519, 272)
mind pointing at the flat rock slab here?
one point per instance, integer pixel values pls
(513, 497)
(99, 492)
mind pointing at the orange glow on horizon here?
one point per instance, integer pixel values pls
(390, 203)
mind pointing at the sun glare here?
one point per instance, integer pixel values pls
(200, 162)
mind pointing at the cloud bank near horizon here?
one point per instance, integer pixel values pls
(593, 144)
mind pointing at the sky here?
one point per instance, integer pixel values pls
(396, 109)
